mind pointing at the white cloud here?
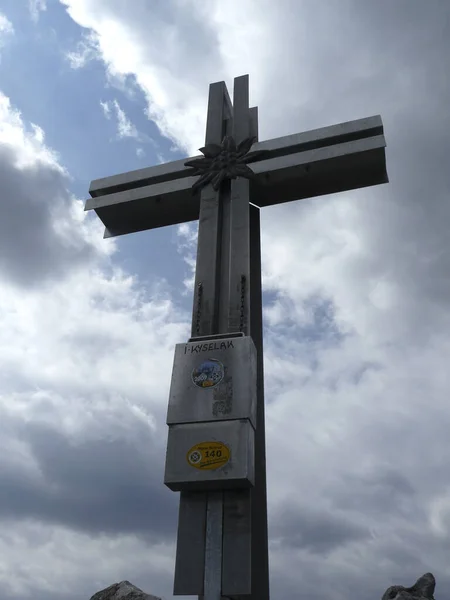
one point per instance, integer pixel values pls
(43, 228)
(106, 108)
(125, 127)
(6, 30)
(36, 7)
(187, 246)
(28, 146)
(5, 25)
(86, 51)
(128, 46)
(84, 360)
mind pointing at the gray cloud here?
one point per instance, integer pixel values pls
(381, 492)
(99, 486)
(315, 530)
(33, 251)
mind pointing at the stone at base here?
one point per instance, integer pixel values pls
(423, 589)
(123, 591)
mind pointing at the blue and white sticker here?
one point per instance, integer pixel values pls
(208, 374)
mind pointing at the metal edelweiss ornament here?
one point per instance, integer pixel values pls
(224, 161)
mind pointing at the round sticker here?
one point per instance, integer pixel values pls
(208, 374)
(208, 455)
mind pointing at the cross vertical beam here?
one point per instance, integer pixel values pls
(245, 539)
(212, 247)
(209, 269)
(233, 523)
(239, 294)
(237, 525)
(260, 543)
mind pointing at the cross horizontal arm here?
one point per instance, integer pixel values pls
(139, 178)
(325, 136)
(323, 161)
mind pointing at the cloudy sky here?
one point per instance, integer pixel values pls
(356, 292)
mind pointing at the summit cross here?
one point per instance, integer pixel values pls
(222, 544)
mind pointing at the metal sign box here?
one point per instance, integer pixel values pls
(210, 456)
(213, 380)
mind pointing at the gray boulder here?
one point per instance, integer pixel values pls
(123, 591)
(423, 589)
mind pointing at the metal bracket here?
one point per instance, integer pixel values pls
(216, 336)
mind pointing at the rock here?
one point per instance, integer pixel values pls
(422, 589)
(123, 591)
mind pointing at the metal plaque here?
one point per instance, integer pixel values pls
(210, 456)
(213, 380)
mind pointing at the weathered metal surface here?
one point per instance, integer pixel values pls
(190, 559)
(289, 144)
(213, 547)
(190, 553)
(309, 172)
(193, 461)
(210, 287)
(213, 381)
(228, 160)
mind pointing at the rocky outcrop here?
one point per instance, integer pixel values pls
(123, 591)
(423, 589)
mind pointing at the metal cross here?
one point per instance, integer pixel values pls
(222, 546)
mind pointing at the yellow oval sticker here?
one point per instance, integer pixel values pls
(208, 455)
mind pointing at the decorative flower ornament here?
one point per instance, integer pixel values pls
(226, 161)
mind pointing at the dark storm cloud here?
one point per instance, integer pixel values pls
(398, 560)
(318, 585)
(379, 493)
(96, 486)
(32, 252)
(84, 591)
(43, 594)
(317, 531)
(388, 58)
